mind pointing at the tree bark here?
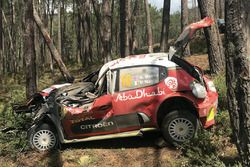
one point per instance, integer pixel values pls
(214, 43)
(124, 25)
(106, 24)
(184, 23)
(54, 52)
(134, 19)
(1, 27)
(86, 28)
(1, 42)
(165, 26)
(238, 73)
(59, 39)
(29, 50)
(149, 28)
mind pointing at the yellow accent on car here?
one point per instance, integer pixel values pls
(211, 114)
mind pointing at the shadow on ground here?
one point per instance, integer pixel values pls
(149, 139)
(133, 151)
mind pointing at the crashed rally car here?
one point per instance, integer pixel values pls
(127, 97)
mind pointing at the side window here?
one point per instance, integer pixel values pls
(138, 77)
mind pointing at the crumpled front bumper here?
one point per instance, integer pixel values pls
(208, 109)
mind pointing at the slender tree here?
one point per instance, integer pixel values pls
(124, 27)
(149, 28)
(29, 50)
(1, 41)
(54, 52)
(106, 25)
(222, 9)
(59, 38)
(134, 26)
(1, 27)
(165, 25)
(214, 42)
(238, 73)
(184, 23)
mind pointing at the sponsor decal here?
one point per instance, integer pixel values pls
(82, 119)
(97, 126)
(110, 124)
(141, 93)
(73, 110)
(171, 83)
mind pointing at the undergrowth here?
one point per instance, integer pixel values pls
(12, 127)
(214, 147)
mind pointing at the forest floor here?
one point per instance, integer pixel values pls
(135, 151)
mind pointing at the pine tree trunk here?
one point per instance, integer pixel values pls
(134, 19)
(217, 8)
(1, 27)
(1, 42)
(238, 73)
(149, 28)
(214, 43)
(29, 50)
(184, 23)
(86, 28)
(59, 38)
(54, 52)
(106, 26)
(124, 24)
(165, 26)
(222, 9)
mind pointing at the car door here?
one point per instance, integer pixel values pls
(93, 118)
(137, 93)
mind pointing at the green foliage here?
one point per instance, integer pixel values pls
(198, 45)
(14, 140)
(175, 25)
(208, 148)
(202, 151)
(220, 84)
(223, 126)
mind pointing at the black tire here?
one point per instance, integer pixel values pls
(179, 126)
(43, 138)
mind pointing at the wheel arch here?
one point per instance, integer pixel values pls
(175, 103)
(53, 121)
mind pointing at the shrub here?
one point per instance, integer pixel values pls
(220, 84)
(201, 151)
(13, 127)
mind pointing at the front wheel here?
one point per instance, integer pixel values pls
(43, 138)
(179, 126)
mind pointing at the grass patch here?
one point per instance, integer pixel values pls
(220, 84)
(212, 147)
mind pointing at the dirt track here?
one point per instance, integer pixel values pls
(135, 151)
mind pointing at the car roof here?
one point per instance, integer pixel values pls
(160, 59)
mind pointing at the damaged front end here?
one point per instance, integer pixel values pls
(32, 105)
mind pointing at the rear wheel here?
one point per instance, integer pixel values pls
(43, 138)
(179, 126)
